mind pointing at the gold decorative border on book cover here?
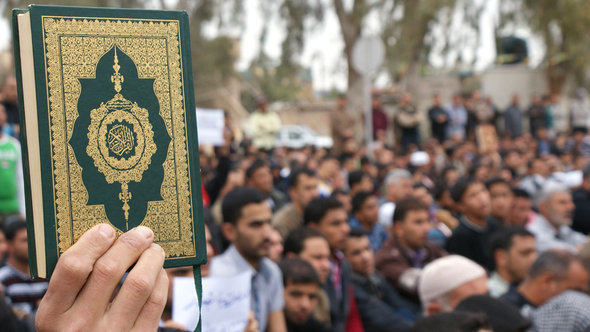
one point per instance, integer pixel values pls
(73, 47)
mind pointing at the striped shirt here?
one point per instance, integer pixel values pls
(21, 291)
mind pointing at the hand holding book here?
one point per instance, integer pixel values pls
(80, 293)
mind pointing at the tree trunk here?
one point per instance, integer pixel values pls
(350, 26)
(556, 78)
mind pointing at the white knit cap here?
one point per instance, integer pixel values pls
(419, 158)
(445, 274)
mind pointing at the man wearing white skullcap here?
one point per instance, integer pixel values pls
(448, 280)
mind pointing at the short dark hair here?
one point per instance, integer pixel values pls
(366, 161)
(503, 239)
(501, 315)
(328, 158)
(295, 175)
(496, 180)
(532, 162)
(338, 192)
(518, 192)
(298, 271)
(256, 165)
(296, 239)
(11, 229)
(459, 189)
(317, 208)
(456, 321)
(357, 233)
(439, 189)
(554, 261)
(446, 170)
(235, 200)
(355, 177)
(406, 205)
(359, 199)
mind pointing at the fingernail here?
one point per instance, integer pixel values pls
(158, 248)
(146, 232)
(107, 231)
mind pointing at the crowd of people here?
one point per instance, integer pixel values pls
(430, 234)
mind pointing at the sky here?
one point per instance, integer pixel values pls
(323, 52)
(324, 47)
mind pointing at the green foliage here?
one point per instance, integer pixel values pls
(213, 61)
(275, 82)
(563, 26)
(405, 31)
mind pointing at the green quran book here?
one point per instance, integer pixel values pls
(108, 128)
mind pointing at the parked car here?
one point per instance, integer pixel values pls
(298, 136)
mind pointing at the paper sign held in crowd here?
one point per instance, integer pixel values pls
(225, 307)
(210, 123)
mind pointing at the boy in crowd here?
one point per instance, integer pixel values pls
(471, 237)
(301, 284)
(501, 199)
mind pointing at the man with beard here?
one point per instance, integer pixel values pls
(303, 187)
(259, 176)
(23, 292)
(403, 257)
(380, 306)
(247, 227)
(513, 250)
(327, 215)
(551, 226)
(552, 273)
(365, 209)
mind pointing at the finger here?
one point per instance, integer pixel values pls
(150, 314)
(136, 288)
(109, 269)
(73, 268)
